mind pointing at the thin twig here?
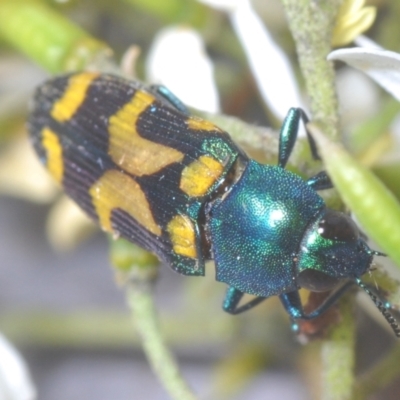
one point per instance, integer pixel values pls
(337, 353)
(164, 365)
(311, 24)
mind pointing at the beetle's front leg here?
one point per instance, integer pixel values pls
(288, 135)
(232, 300)
(293, 306)
(171, 98)
(287, 139)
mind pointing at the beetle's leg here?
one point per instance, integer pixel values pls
(320, 181)
(293, 306)
(288, 135)
(167, 95)
(292, 303)
(232, 299)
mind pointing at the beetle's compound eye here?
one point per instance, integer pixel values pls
(316, 281)
(338, 226)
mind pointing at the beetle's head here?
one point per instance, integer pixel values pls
(331, 251)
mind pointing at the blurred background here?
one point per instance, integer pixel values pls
(60, 303)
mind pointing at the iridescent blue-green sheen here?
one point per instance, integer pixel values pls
(257, 229)
(335, 258)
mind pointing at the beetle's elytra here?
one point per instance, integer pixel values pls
(135, 160)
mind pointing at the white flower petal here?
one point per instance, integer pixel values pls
(367, 43)
(381, 65)
(179, 61)
(270, 66)
(358, 95)
(15, 382)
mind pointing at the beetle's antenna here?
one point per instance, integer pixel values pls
(381, 307)
(376, 253)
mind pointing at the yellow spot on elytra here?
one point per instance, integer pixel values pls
(199, 124)
(182, 234)
(198, 177)
(74, 95)
(130, 151)
(116, 190)
(52, 145)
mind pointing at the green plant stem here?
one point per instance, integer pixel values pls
(48, 38)
(338, 357)
(369, 131)
(311, 23)
(140, 300)
(111, 330)
(138, 269)
(262, 145)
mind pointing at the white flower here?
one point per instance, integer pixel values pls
(269, 64)
(381, 65)
(178, 60)
(15, 382)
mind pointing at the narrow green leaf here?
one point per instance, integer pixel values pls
(47, 37)
(368, 132)
(372, 203)
(174, 11)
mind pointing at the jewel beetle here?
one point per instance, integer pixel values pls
(140, 165)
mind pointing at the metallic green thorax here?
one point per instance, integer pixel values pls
(257, 229)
